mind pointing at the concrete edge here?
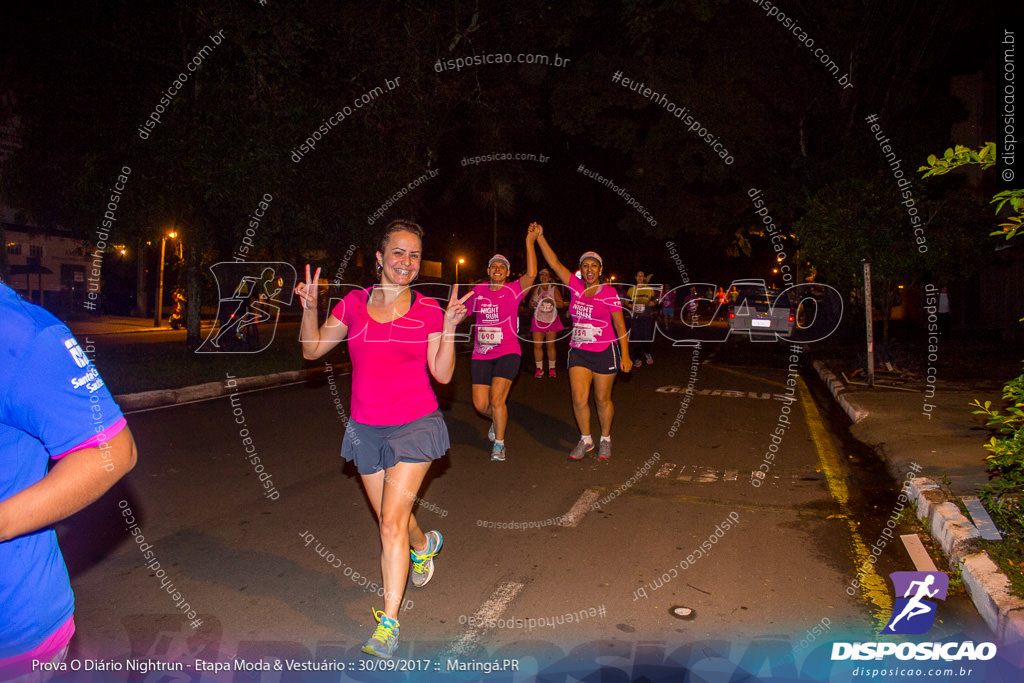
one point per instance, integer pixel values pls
(986, 585)
(839, 391)
(159, 398)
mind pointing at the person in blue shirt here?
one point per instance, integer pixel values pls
(54, 407)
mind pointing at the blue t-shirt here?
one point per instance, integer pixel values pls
(51, 400)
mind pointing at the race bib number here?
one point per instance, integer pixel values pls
(546, 311)
(584, 333)
(488, 336)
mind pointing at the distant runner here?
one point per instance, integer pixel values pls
(546, 300)
(642, 299)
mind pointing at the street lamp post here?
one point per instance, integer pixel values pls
(461, 260)
(160, 280)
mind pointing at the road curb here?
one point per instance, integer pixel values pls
(987, 586)
(838, 389)
(159, 398)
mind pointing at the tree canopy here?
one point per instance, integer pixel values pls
(281, 74)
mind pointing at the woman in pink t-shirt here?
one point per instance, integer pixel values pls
(397, 341)
(496, 351)
(594, 353)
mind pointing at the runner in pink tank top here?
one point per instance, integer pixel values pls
(546, 300)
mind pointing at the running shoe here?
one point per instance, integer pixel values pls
(551, 373)
(423, 563)
(582, 448)
(650, 361)
(384, 641)
(490, 433)
(498, 453)
(604, 449)
(538, 373)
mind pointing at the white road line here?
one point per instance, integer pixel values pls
(665, 470)
(579, 508)
(483, 620)
(916, 550)
(982, 521)
(698, 474)
(705, 475)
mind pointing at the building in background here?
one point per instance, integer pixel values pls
(47, 267)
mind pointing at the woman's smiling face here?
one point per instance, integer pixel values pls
(400, 261)
(591, 270)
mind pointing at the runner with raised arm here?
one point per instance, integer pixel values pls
(594, 353)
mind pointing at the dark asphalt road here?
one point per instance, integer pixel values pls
(241, 560)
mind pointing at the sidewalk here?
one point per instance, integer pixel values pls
(114, 324)
(942, 436)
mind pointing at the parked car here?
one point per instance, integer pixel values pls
(760, 312)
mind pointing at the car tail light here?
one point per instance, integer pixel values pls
(792, 318)
(732, 315)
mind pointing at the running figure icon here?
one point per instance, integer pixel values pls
(915, 607)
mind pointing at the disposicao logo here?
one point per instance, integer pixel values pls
(914, 613)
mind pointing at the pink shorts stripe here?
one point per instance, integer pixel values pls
(53, 649)
(94, 441)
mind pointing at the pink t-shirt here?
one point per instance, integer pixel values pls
(390, 377)
(497, 319)
(592, 328)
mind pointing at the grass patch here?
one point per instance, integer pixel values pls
(131, 368)
(908, 517)
(1008, 514)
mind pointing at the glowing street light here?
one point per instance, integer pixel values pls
(160, 280)
(461, 260)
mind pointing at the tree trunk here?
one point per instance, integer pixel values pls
(5, 268)
(193, 337)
